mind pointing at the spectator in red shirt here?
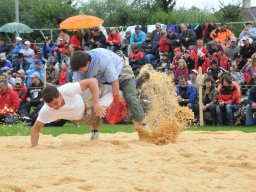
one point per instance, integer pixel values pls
(76, 39)
(164, 43)
(114, 40)
(221, 58)
(63, 74)
(9, 103)
(202, 61)
(136, 59)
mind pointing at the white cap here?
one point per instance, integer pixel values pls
(18, 38)
(200, 54)
(27, 43)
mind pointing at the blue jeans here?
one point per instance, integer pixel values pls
(249, 120)
(230, 109)
(149, 58)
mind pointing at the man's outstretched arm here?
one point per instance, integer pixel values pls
(35, 133)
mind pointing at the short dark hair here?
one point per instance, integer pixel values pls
(50, 93)
(183, 77)
(79, 59)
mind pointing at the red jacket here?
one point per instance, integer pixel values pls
(75, 41)
(63, 77)
(223, 60)
(164, 45)
(9, 99)
(232, 98)
(136, 56)
(22, 92)
(194, 52)
(115, 38)
(205, 64)
(181, 71)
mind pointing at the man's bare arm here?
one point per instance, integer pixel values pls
(35, 133)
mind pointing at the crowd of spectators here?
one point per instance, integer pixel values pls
(228, 65)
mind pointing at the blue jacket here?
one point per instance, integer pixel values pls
(191, 93)
(46, 49)
(17, 49)
(139, 39)
(41, 72)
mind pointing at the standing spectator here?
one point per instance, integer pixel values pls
(63, 36)
(149, 49)
(21, 63)
(98, 39)
(4, 63)
(48, 48)
(248, 31)
(232, 49)
(250, 116)
(138, 37)
(33, 97)
(182, 70)
(9, 103)
(222, 35)
(76, 39)
(187, 37)
(156, 34)
(248, 49)
(125, 43)
(187, 95)
(209, 100)
(52, 74)
(3, 47)
(27, 52)
(228, 100)
(114, 40)
(221, 58)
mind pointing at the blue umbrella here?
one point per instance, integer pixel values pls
(15, 28)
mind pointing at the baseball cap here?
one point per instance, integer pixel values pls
(194, 71)
(233, 39)
(18, 38)
(27, 43)
(35, 74)
(18, 80)
(200, 54)
(237, 55)
(158, 25)
(38, 61)
(244, 38)
(21, 71)
(137, 27)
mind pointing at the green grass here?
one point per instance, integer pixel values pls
(69, 128)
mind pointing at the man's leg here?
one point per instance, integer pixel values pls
(212, 109)
(219, 115)
(130, 95)
(249, 115)
(230, 109)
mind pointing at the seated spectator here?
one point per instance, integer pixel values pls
(76, 39)
(4, 76)
(53, 60)
(202, 61)
(20, 63)
(114, 40)
(4, 63)
(3, 47)
(48, 48)
(251, 68)
(98, 39)
(8, 74)
(182, 70)
(66, 60)
(221, 58)
(63, 38)
(248, 31)
(164, 43)
(232, 49)
(17, 47)
(187, 37)
(209, 101)
(212, 46)
(27, 52)
(35, 49)
(37, 68)
(52, 74)
(156, 34)
(190, 62)
(163, 64)
(138, 37)
(21, 74)
(240, 62)
(142, 79)
(235, 73)
(228, 100)
(215, 70)
(248, 49)
(63, 74)
(136, 59)
(177, 56)
(187, 95)
(199, 48)
(193, 78)
(174, 42)
(250, 117)
(149, 49)
(252, 82)
(125, 43)
(9, 104)
(222, 35)
(33, 97)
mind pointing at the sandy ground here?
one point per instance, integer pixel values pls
(199, 161)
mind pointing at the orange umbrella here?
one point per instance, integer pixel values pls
(81, 22)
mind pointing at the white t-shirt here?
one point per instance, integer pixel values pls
(73, 109)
